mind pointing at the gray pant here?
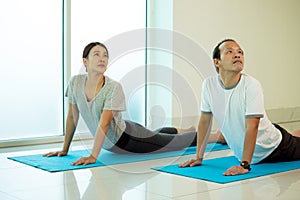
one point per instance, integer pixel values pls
(138, 139)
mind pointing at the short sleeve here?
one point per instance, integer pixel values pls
(70, 91)
(115, 99)
(205, 99)
(254, 100)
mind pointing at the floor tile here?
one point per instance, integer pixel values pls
(134, 181)
(249, 191)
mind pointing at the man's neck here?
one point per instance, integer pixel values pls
(229, 80)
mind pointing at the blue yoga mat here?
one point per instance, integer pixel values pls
(212, 169)
(55, 164)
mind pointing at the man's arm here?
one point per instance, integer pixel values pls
(250, 138)
(204, 128)
(249, 146)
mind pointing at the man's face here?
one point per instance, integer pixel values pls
(231, 58)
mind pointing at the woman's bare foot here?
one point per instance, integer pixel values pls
(217, 138)
(296, 133)
(221, 138)
(191, 129)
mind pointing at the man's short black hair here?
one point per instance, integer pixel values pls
(216, 52)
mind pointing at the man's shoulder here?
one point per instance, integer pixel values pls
(250, 79)
(211, 78)
(211, 81)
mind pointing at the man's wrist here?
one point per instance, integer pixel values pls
(245, 165)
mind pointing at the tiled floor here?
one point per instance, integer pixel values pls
(133, 181)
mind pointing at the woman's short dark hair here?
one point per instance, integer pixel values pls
(88, 48)
(216, 52)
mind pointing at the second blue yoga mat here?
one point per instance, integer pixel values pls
(212, 169)
(55, 164)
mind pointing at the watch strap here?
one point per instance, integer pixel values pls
(245, 165)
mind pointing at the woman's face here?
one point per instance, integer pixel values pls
(97, 60)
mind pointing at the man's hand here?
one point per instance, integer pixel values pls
(235, 170)
(85, 161)
(56, 153)
(191, 163)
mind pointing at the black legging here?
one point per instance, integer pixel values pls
(138, 139)
(287, 150)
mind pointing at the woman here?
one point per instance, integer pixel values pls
(100, 101)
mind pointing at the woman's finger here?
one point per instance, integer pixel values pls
(190, 163)
(185, 164)
(195, 163)
(50, 154)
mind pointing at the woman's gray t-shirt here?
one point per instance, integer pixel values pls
(110, 97)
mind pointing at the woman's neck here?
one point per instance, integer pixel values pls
(93, 85)
(94, 80)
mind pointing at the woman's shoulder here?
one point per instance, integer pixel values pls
(111, 82)
(77, 77)
(76, 81)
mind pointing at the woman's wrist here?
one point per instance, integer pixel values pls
(200, 158)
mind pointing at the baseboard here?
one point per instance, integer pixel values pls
(284, 115)
(43, 140)
(290, 115)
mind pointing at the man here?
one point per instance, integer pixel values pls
(236, 101)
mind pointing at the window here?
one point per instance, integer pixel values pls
(31, 69)
(36, 68)
(123, 32)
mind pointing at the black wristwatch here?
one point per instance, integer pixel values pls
(245, 165)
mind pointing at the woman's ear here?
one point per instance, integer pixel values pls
(84, 60)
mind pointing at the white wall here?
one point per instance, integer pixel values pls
(267, 30)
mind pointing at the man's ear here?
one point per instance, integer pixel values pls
(216, 62)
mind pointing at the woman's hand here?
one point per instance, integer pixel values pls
(235, 170)
(85, 161)
(56, 153)
(191, 163)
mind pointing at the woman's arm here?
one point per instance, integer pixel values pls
(71, 123)
(106, 117)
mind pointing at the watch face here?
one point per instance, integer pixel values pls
(245, 164)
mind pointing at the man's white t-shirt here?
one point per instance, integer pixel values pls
(231, 106)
